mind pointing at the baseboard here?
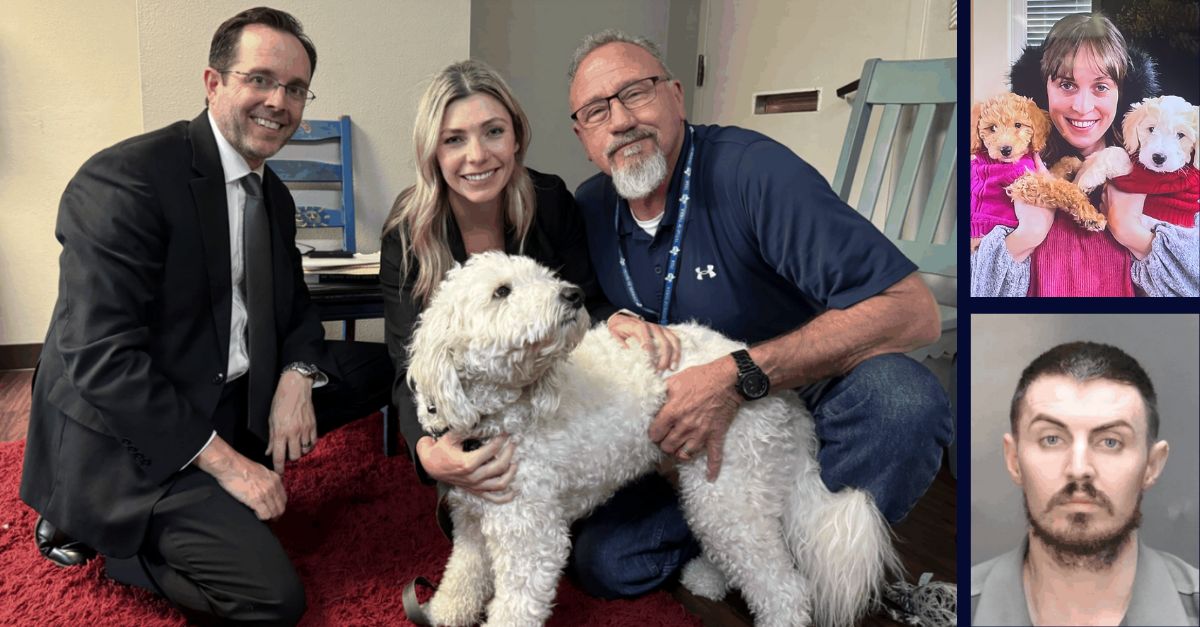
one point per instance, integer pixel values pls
(19, 356)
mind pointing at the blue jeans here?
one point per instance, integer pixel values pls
(882, 428)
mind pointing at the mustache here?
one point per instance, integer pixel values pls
(1085, 488)
(628, 137)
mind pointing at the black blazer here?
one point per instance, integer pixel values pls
(134, 362)
(556, 239)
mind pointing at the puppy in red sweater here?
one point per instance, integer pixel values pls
(1161, 133)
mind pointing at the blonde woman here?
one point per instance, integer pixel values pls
(473, 193)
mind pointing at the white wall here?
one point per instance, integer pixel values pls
(374, 57)
(992, 50)
(530, 44)
(80, 76)
(70, 88)
(755, 46)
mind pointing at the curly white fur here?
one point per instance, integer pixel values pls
(1160, 131)
(503, 347)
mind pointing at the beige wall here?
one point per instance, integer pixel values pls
(755, 46)
(70, 87)
(530, 44)
(374, 57)
(992, 50)
(79, 76)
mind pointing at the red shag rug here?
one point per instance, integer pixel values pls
(358, 527)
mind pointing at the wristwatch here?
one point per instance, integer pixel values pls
(308, 370)
(752, 382)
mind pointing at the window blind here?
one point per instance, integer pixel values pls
(1040, 15)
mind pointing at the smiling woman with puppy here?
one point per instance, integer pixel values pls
(473, 193)
(1086, 77)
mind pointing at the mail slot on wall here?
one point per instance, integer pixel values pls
(787, 101)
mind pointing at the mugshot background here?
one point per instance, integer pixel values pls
(1168, 348)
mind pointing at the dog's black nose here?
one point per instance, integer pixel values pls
(573, 296)
(1006, 150)
(1158, 159)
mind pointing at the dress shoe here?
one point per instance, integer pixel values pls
(59, 548)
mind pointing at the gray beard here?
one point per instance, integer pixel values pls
(641, 177)
(1094, 554)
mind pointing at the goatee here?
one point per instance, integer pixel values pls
(1074, 549)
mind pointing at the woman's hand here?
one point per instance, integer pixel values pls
(659, 341)
(1033, 224)
(1126, 222)
(485, 472)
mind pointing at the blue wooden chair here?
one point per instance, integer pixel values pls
(306, 174)
(917, 99)
(312, 174)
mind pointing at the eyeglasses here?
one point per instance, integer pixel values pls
(264, 84)
(633, 96)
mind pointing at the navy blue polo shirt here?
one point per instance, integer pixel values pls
(766, 247)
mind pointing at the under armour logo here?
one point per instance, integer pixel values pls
(709, 272)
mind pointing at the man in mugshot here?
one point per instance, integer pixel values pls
(1084, 448)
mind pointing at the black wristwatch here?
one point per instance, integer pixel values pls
(752, 382)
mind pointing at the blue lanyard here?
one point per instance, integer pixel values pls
(676, 242)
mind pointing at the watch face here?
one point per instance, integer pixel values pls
(755, 385)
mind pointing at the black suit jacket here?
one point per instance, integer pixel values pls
(134, 362)
(556, 239)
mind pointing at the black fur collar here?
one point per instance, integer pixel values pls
(1141, 82)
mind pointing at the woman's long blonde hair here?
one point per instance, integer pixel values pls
(1067, 38)
(421, 213)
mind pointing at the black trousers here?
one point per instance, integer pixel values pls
(207, 552)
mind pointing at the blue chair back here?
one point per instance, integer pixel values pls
(301, 173)
(894, 85)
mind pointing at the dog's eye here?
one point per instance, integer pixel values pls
(992, 128)
(1179, 135)
(1018, 125)
(502, 292)
(1151, 129)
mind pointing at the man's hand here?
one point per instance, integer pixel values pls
(701, 404)
(485, 472)
(293, 423)
(251, 483)
(659, 341)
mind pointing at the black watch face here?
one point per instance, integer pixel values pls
(755, 385)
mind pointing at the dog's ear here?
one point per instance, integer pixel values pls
(432, 375)
(976, 141)
(1041, 126)
(1129, 135)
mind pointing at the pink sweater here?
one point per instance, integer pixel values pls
(990, 204)
(1075, 262)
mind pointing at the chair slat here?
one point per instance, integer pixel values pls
(902, 194)
(915, 82)
(302, 171)
(939, 188)
(319, 130)
(308, 217)
(879, 158)
(843, 179)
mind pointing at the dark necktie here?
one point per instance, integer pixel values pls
(256, 247)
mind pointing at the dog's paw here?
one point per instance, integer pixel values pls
(1090, 178)
(1095, 224)
(702, 578)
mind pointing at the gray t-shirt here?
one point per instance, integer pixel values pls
(1166, 590)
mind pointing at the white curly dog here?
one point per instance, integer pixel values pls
(1159, 132)
(504, 346)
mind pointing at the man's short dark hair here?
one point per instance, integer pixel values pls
(224, 48)
(1087, 361)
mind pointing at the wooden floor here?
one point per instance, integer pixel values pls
(926, 539)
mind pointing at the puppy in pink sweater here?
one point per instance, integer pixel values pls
(1008, 132)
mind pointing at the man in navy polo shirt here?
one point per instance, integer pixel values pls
(729, 228)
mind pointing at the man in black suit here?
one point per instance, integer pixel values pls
(178, 374)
